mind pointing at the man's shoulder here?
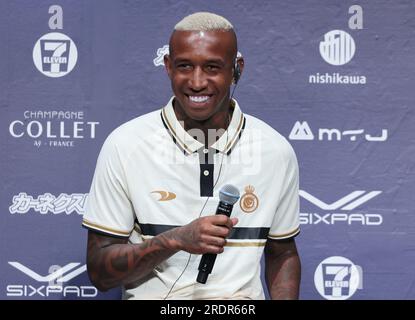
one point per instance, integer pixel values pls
(135, 130)
(270, 136)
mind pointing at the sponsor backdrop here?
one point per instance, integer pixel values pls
(334, 77)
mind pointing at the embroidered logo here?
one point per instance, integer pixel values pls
(249, 201)
(165, 195)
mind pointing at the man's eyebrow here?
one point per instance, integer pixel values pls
(179, 59)
(208, 61)
(216, 61)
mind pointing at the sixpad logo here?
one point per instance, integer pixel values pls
(55, 54)
(337, 278)
(52, 284)
(341, 211)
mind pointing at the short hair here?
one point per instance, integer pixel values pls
(203, 21)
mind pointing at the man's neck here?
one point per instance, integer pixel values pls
(219, 121)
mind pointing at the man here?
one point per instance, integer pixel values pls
(151, 209)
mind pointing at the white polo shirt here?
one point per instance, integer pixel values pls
(151, 176)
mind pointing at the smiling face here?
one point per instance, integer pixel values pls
(200, 67)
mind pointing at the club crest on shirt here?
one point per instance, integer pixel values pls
(249, 201)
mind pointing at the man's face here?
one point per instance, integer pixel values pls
(200, 67)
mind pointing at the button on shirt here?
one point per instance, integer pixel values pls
(150, 177)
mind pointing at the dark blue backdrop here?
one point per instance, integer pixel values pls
(354, 141)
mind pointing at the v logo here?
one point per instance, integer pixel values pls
(57, 275)
(341, 203)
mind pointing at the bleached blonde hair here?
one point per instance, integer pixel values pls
(203, 21)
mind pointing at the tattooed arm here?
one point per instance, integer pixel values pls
(114, 262)
(282, 269)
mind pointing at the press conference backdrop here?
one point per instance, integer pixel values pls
(334, 77)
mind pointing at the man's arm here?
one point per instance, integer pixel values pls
(282, 269)
(114, 262)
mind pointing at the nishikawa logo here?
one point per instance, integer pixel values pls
(52, 283)
(338, 47)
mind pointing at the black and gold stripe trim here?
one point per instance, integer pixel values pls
(237, 134)
(105, 230)
(241, 233)
(230, 242)
(184, 147)
(170, 128)
(245, 244)
(290, 234)
(237, 137)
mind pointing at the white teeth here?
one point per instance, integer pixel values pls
(198, 98)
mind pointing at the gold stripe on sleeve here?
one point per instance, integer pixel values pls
(92, 225)
(244, 244)
(284, 235)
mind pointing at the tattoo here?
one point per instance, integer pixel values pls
(114, 262)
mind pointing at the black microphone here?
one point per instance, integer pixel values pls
(228, 196)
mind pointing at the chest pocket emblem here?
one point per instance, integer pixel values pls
(249, 201)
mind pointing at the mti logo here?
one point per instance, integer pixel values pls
(302, 131)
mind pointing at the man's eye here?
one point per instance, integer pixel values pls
(212, 68)
(184, 66)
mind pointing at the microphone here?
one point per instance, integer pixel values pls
(228, 196)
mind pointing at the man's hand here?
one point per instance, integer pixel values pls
(205, 235)
(113, 262)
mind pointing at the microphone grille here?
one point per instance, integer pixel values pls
(229, 194)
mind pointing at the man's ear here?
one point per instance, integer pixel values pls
(237, 69)
(167, 64)
(241, 63)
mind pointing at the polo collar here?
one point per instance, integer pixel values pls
(191, 145)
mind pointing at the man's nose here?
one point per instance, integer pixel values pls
(198, 80)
